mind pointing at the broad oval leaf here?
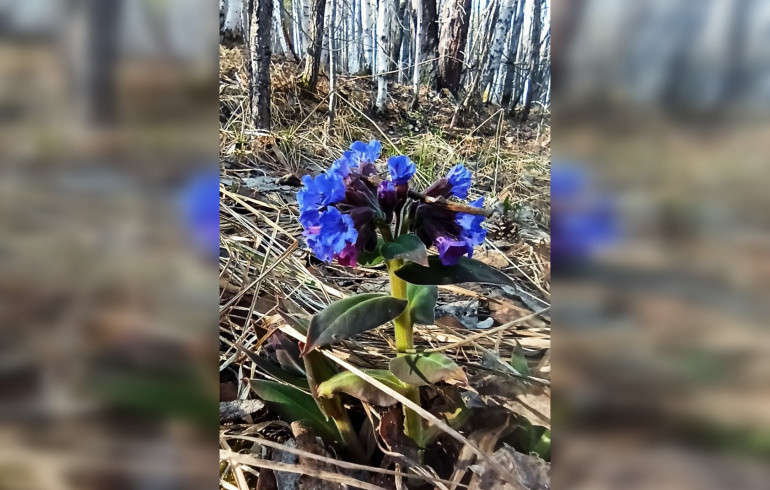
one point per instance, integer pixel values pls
(274, 371)
(426, 369)
(466, 270)
(351, 316)
(350, 383)
(422, 303)
(293, 404)
(407, 247)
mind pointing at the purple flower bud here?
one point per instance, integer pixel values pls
(450, 249)
(440, 188)
(363, 220)
(349, 256)
(387, 196)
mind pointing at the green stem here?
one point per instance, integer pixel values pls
(405, 343)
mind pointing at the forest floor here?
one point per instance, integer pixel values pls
(264, 260)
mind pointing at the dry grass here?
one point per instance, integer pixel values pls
(266, 258)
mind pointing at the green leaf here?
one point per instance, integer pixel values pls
(528, 439)
(350, 383)
(422, 303)
(274, 371)
(292, 405)
(466, 270)
(426, 369)
(407, 247)
(518, 361)
(351, 316)
(374, 257)
(299, 323)
(455, 417)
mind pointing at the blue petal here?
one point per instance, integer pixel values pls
(335, 231)
(401, 169)
(459, 178)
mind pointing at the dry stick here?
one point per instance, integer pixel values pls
(245, 459)
(440, 201)
(472, 338)
(336, 462)
(409, 403)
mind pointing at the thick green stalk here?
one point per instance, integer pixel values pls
(404, 343)
(317, 372)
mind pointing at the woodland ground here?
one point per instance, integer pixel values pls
(265, 259)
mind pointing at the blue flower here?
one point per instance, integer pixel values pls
(199, 202)
(331, 235)
(401, 169)
(325, 189)
(459, 178)
(343, 165)
(450, 250)
(471, 225)
(366, 152)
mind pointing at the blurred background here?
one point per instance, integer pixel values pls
(661, 243)
(108, 249)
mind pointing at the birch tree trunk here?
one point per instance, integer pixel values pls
(507, 75)
(366, 23)
(260, 20)
(278, 27)
(496, 50)
(454, 34)
(305, 19)
(383, 31)
(417, 53)
(332, 63)
(397, 26)
(232, 26)
(313, 57)
(534, 60)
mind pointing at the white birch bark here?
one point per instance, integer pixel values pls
(332, 62)
(366, 21)
(277, 26)
(417, 53)
(383, 31)
(305, 13)
(498, 45)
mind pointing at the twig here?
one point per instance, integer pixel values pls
(471, 338)
(439, 201)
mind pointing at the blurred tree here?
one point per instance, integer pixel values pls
(260, 21)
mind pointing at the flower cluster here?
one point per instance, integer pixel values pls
(342, 209)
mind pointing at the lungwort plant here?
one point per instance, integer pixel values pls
(352, 214)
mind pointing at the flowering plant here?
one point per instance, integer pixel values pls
(354, 215)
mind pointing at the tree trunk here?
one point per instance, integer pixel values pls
(313, 57)
(286, 33)
(497, 47)
(260, 20)
(278, 28)
(534, 60)
(332, 63)
(454, 34)
(507, 75)
(397, 25)
(418, 35)
(429, 43)
(383, 31)
(366, 24)
(232, 22)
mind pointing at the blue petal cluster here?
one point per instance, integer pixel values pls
(459, 178)
(365, 152)
(401, 169)
(330, 234)
(472, 230)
